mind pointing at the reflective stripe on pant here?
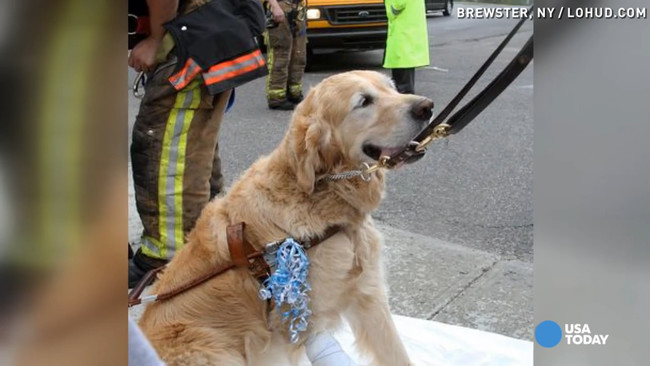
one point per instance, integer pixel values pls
(287, 56)
(298, 59)
(174, 159)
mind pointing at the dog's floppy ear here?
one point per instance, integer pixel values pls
(312, 140)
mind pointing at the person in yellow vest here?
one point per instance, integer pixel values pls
(286, 41)
(407, 44)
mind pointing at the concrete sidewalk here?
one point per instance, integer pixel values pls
(434, 280)
(452, 284)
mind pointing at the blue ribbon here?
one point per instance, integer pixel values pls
(288, 285)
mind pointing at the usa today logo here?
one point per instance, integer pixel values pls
(549, 334)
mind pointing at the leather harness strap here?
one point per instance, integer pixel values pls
(237, 245)
(330, 232)
(242, 254)
(144, 282)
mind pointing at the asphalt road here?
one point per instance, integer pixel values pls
(474, 189)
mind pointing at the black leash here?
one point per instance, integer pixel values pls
(438, 128)
(466, 114)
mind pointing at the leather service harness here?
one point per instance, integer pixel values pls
(243, 255)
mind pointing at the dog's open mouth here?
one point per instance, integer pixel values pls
(375, 152)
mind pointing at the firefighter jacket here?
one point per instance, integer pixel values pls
(219, 41)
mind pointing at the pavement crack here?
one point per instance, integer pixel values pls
(475, 39)
(505, 226)
(484, 226)
(462, 290)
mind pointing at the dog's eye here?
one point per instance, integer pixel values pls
(365, 101)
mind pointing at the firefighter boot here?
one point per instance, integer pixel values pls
(282, 105)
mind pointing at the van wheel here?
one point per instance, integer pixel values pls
(449, 7)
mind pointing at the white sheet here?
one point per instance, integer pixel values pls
(432, 343)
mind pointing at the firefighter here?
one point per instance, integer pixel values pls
(174, 151)
(286, 43)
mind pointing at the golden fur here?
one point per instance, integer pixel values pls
(223, 322)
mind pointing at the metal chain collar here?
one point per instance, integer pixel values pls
(364, 173)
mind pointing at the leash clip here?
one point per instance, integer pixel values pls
(139, 80)
(368, 169)
(440, 131)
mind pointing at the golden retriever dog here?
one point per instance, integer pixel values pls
(346, 120)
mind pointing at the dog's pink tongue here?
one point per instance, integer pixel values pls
(389, 151)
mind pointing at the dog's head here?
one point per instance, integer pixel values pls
(352, 118)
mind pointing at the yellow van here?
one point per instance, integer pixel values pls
(346, 24)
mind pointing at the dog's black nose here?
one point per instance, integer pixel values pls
(421, 110)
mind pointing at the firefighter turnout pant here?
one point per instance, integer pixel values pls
(287, 55)
(175, 159)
